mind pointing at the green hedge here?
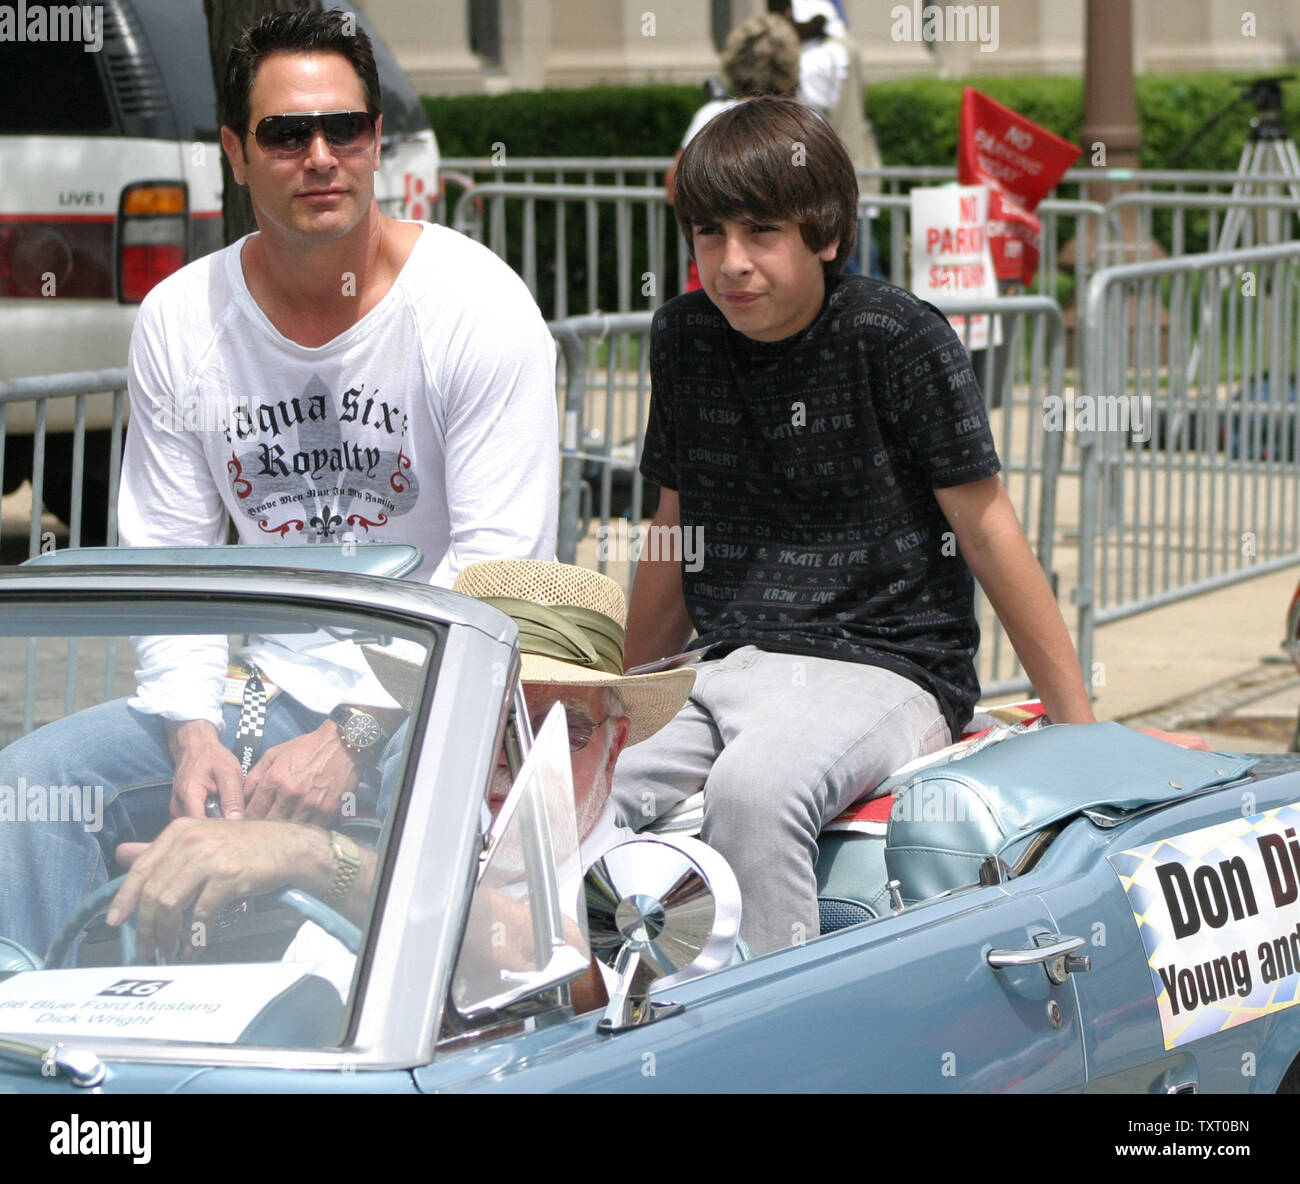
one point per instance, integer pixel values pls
(916, 119)
(916, 123)
(593, 121)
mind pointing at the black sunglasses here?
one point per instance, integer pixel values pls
(346, 132)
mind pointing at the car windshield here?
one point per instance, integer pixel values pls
(119, 712)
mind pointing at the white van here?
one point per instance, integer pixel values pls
(110, 179)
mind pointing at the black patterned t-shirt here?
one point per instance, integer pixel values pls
(805, 470)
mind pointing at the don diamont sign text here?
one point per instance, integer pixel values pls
(1219, 914)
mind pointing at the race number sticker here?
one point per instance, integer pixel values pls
(210, 1004)
(1219, 913)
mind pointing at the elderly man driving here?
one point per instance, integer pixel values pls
(571, 626)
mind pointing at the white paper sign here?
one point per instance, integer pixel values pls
(1219, 914)
(210, 1004)
(950, 252)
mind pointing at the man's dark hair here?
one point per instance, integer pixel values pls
(294, 32)
(771, 160)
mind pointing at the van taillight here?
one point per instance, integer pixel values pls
(150, 237)
(56, 257)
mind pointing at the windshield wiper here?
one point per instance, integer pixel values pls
(80, 1065)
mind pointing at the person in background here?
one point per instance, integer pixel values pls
(759, 57)
(831, 82)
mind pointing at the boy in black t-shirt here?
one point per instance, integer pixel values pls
(824, 444)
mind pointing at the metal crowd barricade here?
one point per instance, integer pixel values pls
(50, 402)
(605, 384)
(556, 169)
(896, 177)
(483, 214)
(893, 181)
(1023, 380)
(38, 406)
(486, 211)
(468, 172)
(604, 389)
(1190, 479)
(1278, 210)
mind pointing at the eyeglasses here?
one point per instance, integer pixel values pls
(581, 728)
(348, 133)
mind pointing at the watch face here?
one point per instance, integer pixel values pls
(362, 731)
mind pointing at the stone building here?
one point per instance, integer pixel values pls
(487, 46)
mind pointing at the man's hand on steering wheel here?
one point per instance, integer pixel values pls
(201, 865)
(302, 780)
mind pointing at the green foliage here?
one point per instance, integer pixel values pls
(918, 120)
(1173, 108)
(594, 121)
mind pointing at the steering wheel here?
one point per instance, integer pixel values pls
(307, 907)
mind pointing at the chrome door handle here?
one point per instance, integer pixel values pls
(1056, 956)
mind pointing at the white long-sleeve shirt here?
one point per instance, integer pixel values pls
(431, 421)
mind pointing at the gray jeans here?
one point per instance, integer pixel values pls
(781, 744)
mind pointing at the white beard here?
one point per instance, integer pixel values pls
(588, 807)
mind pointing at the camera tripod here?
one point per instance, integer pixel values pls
(1268, 145)
(1269, 164)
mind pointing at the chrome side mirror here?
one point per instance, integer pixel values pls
(524, 938)
(661, 911)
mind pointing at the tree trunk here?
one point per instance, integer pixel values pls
(226, 19)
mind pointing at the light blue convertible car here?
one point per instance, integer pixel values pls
(1071, 909)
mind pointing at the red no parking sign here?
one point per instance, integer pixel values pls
(1020, 162)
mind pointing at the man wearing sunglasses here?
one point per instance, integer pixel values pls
(338, 377)
(365, 379)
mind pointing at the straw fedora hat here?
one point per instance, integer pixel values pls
(572, 624)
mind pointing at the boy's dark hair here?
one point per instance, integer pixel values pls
(294, 32)
(771, 160)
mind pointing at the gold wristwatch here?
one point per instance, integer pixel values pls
(347, 867)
